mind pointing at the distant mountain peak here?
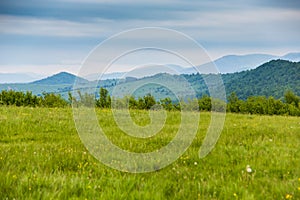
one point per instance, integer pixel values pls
(293, 56)
(60, 78)
(237, 63)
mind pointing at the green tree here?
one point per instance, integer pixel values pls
(291, 98)
(257, 104)
(149, 101)
(141, 103)
(133, 104)
(233, 103)
(166, 103)
(53, 100)
(108, 105)
(205, 103)
(29, 99)
(104, 100)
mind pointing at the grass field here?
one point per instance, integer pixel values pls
(42, 157)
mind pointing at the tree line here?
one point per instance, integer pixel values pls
(265, 106)
(27, 99)
(252, 105)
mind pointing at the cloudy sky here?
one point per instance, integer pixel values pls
(50, 36)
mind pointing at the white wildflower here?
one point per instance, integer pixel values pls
(248, 169)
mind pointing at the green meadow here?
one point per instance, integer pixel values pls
(42, 157)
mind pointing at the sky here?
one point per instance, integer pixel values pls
(50, 36)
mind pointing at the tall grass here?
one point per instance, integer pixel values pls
(42, 157)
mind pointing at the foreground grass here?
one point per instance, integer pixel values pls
(42, 157)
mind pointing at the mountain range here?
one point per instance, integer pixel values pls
(225, 64)
(237, 63)
(272, 78)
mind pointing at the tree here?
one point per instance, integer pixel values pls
(133, 104)
(149, 101)
(205, 103)
(108, 103)
(104, 100)
(29, 99)
(233, 103)
(53, 100)
(141, 103)
(291, 98)
(166, 103)
(257, 104)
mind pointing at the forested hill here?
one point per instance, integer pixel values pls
(273, 78)
(60, 78)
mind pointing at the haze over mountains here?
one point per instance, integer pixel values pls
(225, 64)
(60, 79)
(273, 78)
(238, 63)
(19, 77)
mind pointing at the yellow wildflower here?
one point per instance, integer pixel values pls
(288, 196)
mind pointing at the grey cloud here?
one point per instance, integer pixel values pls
(115, 10)
(65, 29)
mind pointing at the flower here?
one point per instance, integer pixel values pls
(248, 169)
(299, 188)
(195, 163)
(234, 194)
(288, 196)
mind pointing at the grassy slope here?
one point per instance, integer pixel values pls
(41, 157)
